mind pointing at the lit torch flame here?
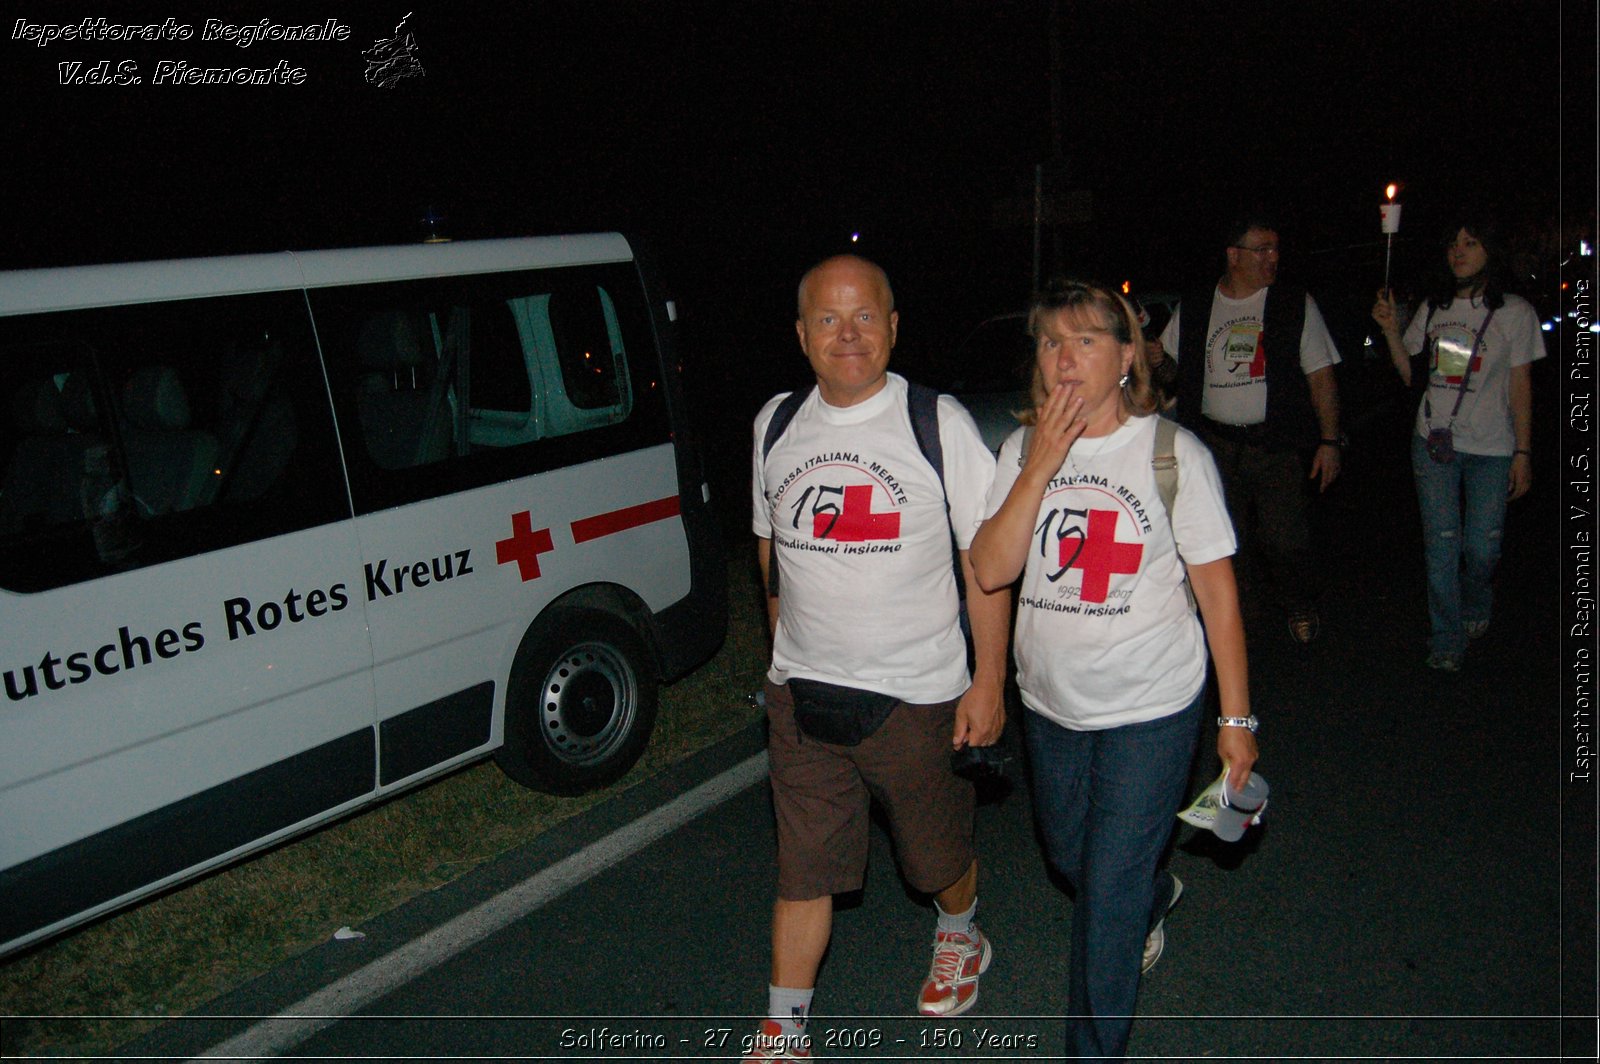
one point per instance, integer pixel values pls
(1390, 191)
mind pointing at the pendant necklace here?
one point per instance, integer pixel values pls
(1101, 443)
(1088, 456)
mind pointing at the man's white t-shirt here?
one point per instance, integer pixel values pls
(1483, 425)
(1105, 636)
(867, 594)
(1236, 361)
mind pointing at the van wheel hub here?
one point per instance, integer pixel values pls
(587, 704)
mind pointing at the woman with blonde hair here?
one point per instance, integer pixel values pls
(1111, 659)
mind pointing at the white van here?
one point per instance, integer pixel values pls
(283, 534)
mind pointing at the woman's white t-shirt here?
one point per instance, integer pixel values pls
(1483, 425)
(1105, 636)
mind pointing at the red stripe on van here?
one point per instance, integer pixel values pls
(622, 520)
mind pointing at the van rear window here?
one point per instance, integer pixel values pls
(445, 385)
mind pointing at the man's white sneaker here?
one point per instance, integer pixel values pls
(952, 984)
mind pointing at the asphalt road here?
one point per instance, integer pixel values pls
(1404, 898)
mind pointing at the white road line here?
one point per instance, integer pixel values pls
(275, 1035)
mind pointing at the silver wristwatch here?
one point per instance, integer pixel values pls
(1240, 722)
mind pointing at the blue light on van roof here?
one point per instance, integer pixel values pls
(433, 227)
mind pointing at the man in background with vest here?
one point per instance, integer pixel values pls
(1254, 378)
(854, 532)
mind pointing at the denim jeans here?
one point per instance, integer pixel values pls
(1107, 803)
(1461, 546)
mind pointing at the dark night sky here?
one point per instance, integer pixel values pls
(750, 138)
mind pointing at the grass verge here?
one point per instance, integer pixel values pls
(93, 989)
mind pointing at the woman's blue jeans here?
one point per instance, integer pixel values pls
(1461, 545)
(1107, 802)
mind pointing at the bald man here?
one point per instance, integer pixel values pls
(865, 625)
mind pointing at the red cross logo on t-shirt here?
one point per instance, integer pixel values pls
(855, 522)
(1258, 365)
(1099, 555)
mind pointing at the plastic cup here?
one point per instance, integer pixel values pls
(1239, 808)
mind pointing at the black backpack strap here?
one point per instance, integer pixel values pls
(787, 408)
(924, 406)
(782, 416)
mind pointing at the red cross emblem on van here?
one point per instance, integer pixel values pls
(524, 546)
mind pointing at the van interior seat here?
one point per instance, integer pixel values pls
(171, 466)
(256, 424)
(395, 398)
(44, 475)
(38, 409)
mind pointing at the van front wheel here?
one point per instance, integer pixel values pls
(580, 704)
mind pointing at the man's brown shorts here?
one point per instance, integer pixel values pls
(820, 792)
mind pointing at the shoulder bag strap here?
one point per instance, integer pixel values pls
(1466, 376)
(1164, 460)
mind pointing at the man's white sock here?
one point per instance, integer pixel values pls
(959, 924)
(791, 1007)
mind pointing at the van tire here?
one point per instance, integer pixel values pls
(580, 703)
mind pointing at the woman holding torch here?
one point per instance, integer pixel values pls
(1472, 449)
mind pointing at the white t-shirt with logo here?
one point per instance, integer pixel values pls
(1105, 636)
(857, 521)
(1513, 339)
(1236, 361)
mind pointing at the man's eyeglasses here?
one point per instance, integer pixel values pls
(1264, 250)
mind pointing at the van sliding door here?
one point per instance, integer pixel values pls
(507, 440)
(186, 666)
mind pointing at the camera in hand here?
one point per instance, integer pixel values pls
(978, 762)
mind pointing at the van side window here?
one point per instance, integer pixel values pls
(499, 361)
(465, 381)
(588, 347)
(142, 434)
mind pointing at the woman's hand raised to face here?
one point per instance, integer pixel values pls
(1056, 428)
